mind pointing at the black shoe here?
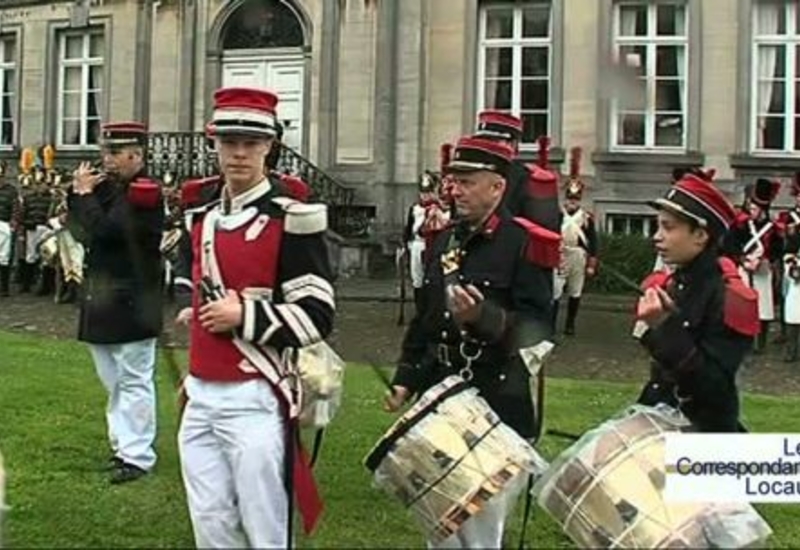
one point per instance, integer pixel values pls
(126, 472)
(112, 464)
(569, 331)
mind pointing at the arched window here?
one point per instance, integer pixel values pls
(262, 24)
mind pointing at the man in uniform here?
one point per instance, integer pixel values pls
(255, 276)
(698, 322)
(413, 238)
(487, 294)
(579, 245)
(121, 215)
(755, 242)
(8, 201)
(532, 189)
(36, 204)
(789, 224)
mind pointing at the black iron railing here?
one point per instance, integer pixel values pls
(185, 155)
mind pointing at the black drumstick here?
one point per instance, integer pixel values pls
(624, 279)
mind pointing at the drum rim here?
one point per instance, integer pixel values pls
(376, 456)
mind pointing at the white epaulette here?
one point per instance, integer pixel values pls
(303, 218)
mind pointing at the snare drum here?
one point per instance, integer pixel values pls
(606, 491)
(448, 456)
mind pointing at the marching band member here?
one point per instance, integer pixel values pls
(8, 200)
(755, 241)
(36, 201)
(789, 221)
(579, 244)
(697, 322)
(255, 276)
(413, 233)
(121, 215)
(487, 293)
(532, 189)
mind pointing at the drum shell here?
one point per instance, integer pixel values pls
(607, 491)
(457, 457)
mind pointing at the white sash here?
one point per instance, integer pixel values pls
(754, 246)
(574, 223)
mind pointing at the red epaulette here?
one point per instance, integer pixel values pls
(741, 219)
(193, 191)
(542, 184)
(740, 311)
(544, 246)
(297, 189)
(144, 193)
(657, 279)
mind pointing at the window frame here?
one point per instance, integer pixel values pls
(517, 42)
(86, 63)
(650, 42)
(791, 43)
(14, 66)
(649, 223)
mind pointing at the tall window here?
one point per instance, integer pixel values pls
(650, 47)
(8, 85)
(81, 87)
(514, 63)
(776, 76)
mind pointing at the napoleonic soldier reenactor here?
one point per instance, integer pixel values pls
(256, 282)
(756, 244)
(414, 231)
(697, 322)
(579, 240)
(36, 206)
(9, 198)
(487, 293)
(789, 222)
(121, 214)
(532, 191)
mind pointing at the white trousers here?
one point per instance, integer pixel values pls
(485, 529)
(32, 238)
(232, 441)
(571, 280)
(416, 265)
(126, 371)
(5, 243)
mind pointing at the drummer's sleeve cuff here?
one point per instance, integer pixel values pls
(408, 376)
(670, 344)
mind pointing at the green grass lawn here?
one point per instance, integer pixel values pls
(52, 435)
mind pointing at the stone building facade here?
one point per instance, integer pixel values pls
(371, 88)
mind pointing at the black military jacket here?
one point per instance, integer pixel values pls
(518, 295)
(696, 354)
(8, 201)
(36, 204)
(122, 297)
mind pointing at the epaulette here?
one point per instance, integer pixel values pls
(144, 193)
(740, 310)
(303, 218)
(296, 188)
(195, 192)
(542, 183)
(544, 246)
(657, 279)
(741, 219)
